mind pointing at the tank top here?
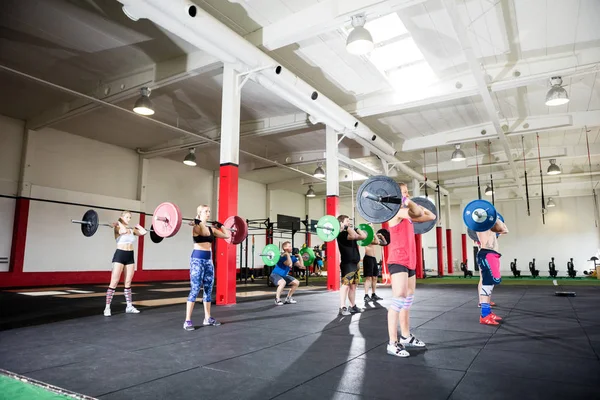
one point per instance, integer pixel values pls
(402, 248)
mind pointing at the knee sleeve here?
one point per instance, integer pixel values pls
(486, 290)
(397, 303)
(408, 302)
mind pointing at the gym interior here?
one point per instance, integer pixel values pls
(282, 113)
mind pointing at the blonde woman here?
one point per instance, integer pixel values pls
(202, 270)
(123, 259)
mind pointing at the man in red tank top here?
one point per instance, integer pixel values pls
(402, 264)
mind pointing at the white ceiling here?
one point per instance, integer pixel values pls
(416, 90)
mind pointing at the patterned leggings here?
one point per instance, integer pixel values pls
(202, 273)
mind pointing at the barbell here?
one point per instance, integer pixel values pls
(166, 222)
(480, 216)
(271, 255)
(379, 199)
(328, 228)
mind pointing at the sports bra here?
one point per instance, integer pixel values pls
(204, 239)
(126, 238)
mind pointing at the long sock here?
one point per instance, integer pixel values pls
(485, 309)
(110, 292)
(128, 296)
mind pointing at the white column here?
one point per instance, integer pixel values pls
(24, 189)
(448, 207)
(332, 172)
(143, 166)
(230, 117)
(416, 188)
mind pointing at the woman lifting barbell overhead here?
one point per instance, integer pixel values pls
(202, 270)
(123, 258)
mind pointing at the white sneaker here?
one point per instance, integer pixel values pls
(397, 350)
(290, 300)
(132, 310)
(107, 312)
(412, 341)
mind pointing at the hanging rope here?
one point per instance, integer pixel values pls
(491, 177)
(352, 177)
(425, 171)
(587, 142)
(439, 198)
(525, 169)
(477, 167)
(541, 179)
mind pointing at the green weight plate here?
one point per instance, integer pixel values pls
(270, 255)
(328, 228)
(308, 256)
(370, 234)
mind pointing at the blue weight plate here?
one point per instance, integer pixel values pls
(479, 215)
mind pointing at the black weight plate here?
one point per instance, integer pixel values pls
(154, 236)
(386, 235)
(90, 229)
(374, 211)
(424, 227)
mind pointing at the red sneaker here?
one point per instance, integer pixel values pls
(489, 320)
(495, 317)
(492, 304)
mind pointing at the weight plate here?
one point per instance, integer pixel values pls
(375, 211)
(472, 234)
(154, 237)
(479, 215)
(90, 229)
(370, 235)
(241, 229)
(270, 255)
(328, 228)
(424, 227)
(386, 235)
(308, 256)
(166, 220)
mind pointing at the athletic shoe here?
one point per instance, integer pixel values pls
(496, 317)
(397, 350)
(411, 341)
(107, 312)
(489, 320)
(344, 311)
(278, 302)
(367, 298)
(211, 321)
(374, 297)
(132, 310)
(354, 309)
(290, 300)
(188, 326)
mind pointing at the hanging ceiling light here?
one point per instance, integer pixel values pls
(190, 159)
(550, 202)
(488, 190)
(311, 192)
(553, 169)
(458, 154)
(319, 172)
(557, 95)
(359, 41)
(143, 105)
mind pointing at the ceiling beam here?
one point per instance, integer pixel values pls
(368, 171)
(480, 79)
(501, 77)
(324, 16)
(125, 86)
(513, 126)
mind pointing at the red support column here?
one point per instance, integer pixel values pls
(449, 250)
(17, 251)
(333, 255)
(440, 250)
(463, 238)
(226, 253)
(140, 257)
(419, 249)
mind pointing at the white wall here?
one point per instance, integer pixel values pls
(11, 137)
(286, 203)
(252, 204)
(316, 209)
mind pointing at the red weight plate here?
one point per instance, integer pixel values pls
(166, 220)
(241, 229)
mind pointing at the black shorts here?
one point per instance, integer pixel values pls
(370, 267)
(346, 268)
(124, 257)
(397, 268)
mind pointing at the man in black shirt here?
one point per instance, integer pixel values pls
(350, 257)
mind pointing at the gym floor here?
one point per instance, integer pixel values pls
(547, 347)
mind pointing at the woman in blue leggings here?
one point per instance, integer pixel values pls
(202, 270)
